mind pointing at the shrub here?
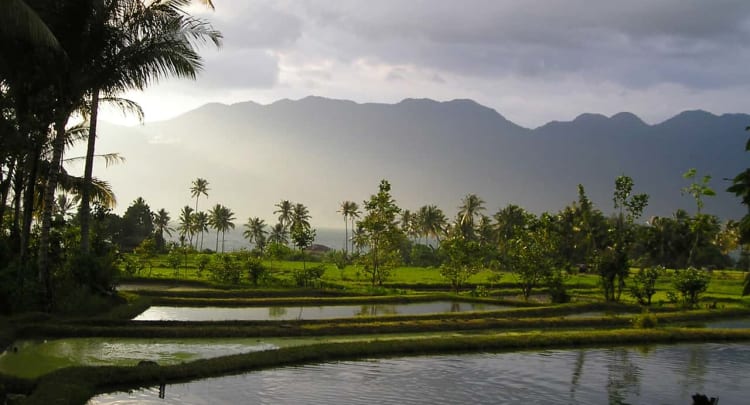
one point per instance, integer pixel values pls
(256, 271)
(557, 291)
(225, 269)
(645, 320)
(691, 283)
(643, 286)
(202, 262)
(310, 276)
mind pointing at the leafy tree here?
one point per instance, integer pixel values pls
(225, 268)
(741, 188)
(643, 286)
(532, 255)
(174, 259)
(381, 234)
(510, 223)
(697, 190)
(303, 237)
(691, 283)
(613, 263)
(137, 224)
(461, 259)
(300, 216)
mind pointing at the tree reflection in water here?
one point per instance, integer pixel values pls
(622, 377)
(377, 309)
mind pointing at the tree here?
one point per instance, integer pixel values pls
(303, 237)
(348, 210)
(161, 223)
(613, 263)
(380, 232)
(220, 218)
(432, 222)
(532, 255)
(691, 283)
(255, 232)
(199, 186)
(186, 227)
(300, 216)
(644, 284)
(741, 188)
(461, 259)
(697, 190)
(132, 44)
(278, 234)
(137, 224)
(468, 211)
(200, 226)
(284, 210)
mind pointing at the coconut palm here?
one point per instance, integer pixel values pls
(255, 232)
(186, 226)
(470, 208)
(200, 186)
(161, 225)
(300, 216)
(200, 226)
(432, 222)
(278, 234)
(353, 213)
(137, 43)
(220, 218)
(284, 210)
(347, 209)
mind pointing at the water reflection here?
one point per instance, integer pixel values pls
(589, 376)
(160, 313)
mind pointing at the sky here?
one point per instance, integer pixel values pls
(533, 61)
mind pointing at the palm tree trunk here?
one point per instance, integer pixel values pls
(49, 199)
(5, 187)
(222, 241)
(217, 242)
(85, 209)
(32, 162)
(346, 237)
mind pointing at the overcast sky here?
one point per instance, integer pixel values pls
(533, 61)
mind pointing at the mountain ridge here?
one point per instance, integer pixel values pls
(322, 151)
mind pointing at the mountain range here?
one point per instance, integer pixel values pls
(320, 151)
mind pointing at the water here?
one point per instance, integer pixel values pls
(739, 323)
(661, 374)
(158, 313)
(33, 358)
(233, 239)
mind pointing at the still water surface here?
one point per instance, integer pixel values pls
(158, 313)
(662, 374)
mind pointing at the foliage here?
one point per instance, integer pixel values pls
(137, 224)
(381, 234)
(424, 256)
(225, 268)
(462, 258)
(278, 251)
(691, 283)
(645, 320)
(531, 256)
(310, 276)
(255, 270)
(174, 259)
(558, 292)
(643, 285)
(202, 262)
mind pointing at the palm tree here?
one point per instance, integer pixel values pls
(161, 224)
(200, 226)
(221, 219)
(186, 226)
(200, 186)
(353, 214)
(137, 43)
(300, 216)
(470, 208)
(278, 234)
(347, 209)
(285, 212)
(432, 222)
(255, 232)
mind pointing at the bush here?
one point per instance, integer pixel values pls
(424, 256)
(645, 320)
(202, 262)
(256, 271)
(225, 269)
(643, 286)
(691, 283)
(309, 277)
(558, 292)
(278, 251)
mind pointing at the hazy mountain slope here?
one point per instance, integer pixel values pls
(320, 152)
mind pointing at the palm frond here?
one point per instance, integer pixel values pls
(125, 106)
(109, 159)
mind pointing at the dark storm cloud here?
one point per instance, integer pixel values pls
(635, 43)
